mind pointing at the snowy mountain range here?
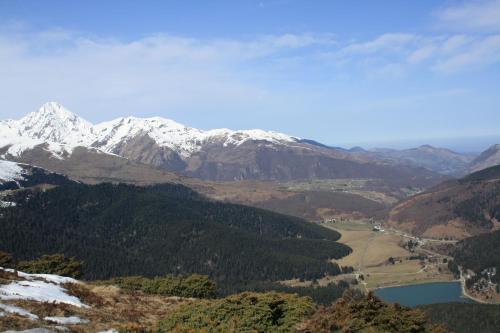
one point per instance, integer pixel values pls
(62, 130)
(58, 140)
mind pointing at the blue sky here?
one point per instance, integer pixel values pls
(371, 73)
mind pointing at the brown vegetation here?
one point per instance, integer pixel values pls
(367, 315)
(454, 209)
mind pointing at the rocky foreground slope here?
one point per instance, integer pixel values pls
(46, 303)
(43, 303)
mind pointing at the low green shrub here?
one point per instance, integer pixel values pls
(52, 264)
(246, 312)
(368, 314)
(5, 259)
(197, 286)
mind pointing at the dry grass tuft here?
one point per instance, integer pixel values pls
(109, 293)
(84, 293)
(132, 328)
(16, 322)
(46, 309)
(110, 307)
(7, 277)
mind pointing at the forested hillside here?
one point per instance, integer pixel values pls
(455, 209)
(120, 230)
(479, 252)
(465, 317)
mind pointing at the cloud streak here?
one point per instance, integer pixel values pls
(478, 15)
(168, 72)
(172, 71)
(481, 53)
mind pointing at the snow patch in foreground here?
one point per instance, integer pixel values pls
(67, 320)
(57, 279)
(39, 291)
(17, 310)
(33, 330)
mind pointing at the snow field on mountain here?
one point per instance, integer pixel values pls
(61, 131)
(10, 171)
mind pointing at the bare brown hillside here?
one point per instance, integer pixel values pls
(455, 209)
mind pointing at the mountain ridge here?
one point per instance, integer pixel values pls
(454, 209)
(487, 158)
(219, 154)
(52, 122)
(441, 160)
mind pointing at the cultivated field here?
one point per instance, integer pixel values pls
(371, 253)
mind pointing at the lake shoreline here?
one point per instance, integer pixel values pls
(424, 293)
(411, 284)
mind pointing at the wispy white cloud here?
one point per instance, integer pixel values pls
(422, 53)
(158, 71)
(455, 42)
(176, 72)
(480, 53)
(395, 54)
(476, 15)
(385, 42)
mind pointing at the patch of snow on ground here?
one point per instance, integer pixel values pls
(67, 320)
(18, 310)
(57, 279)
(10, 171)
(33, 330)
(39, 291)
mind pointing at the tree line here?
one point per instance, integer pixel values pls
(126, 230)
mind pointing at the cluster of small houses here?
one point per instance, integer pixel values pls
(376, 227)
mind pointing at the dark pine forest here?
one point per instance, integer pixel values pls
(124, 230)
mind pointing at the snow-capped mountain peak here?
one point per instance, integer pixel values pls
(239, 137)
(165, 132)
(54, 109)
(54, 123)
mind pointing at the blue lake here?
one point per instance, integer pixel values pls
(421, 294)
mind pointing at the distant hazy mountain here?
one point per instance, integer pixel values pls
(55, 137)
(455, 209)
(439, 160)
(489, 157)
